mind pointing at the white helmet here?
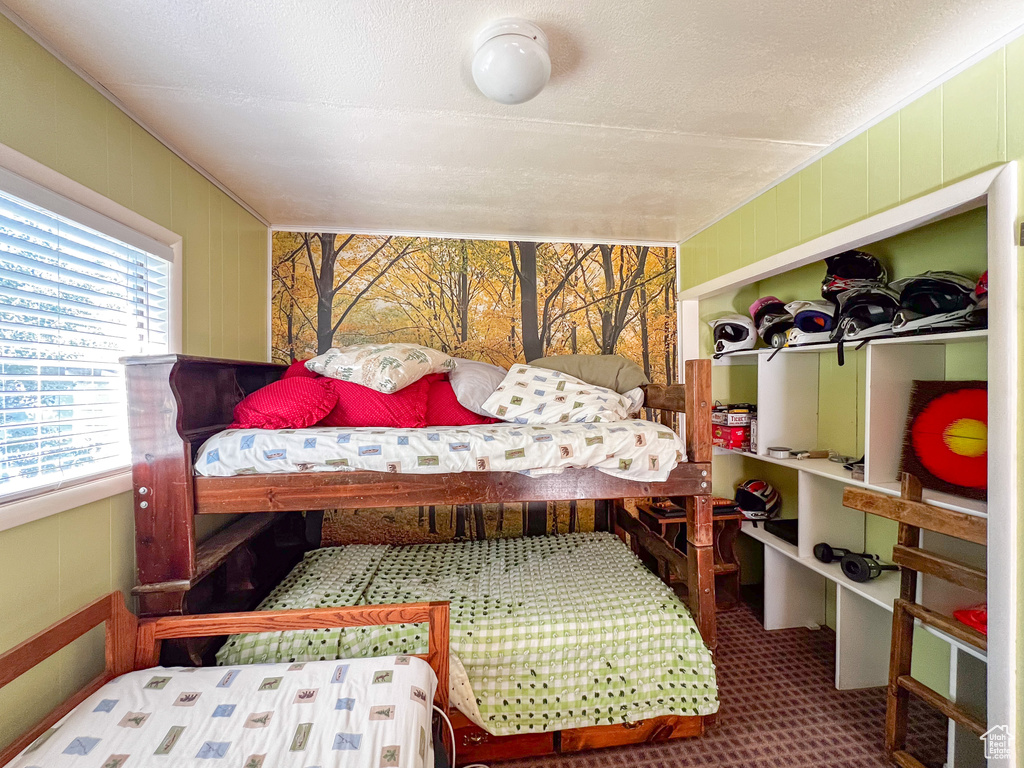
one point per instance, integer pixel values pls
(812, 322)
(733, 333)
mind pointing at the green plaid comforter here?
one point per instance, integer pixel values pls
(547, 633)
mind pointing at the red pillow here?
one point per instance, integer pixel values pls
(359, 406)
(445, 410)
(298, 370)
(285, 404)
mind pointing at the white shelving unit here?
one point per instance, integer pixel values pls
(787, 395)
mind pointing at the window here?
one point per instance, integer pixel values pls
(73, 300)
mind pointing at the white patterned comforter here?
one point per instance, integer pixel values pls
(362, 713)
(633, 450)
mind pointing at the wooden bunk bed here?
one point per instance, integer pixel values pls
(176, 402)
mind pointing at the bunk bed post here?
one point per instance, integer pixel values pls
(161, 475)
(699, 525)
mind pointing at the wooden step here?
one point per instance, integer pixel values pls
(906, 760)
(941, 567)
(936, 700)
(918, 514)
(947, 624)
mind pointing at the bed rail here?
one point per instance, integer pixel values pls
(133, 644)
(120, 651)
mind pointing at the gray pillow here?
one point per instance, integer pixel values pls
(610, 371)
(473, 382)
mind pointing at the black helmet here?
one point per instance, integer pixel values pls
(933, 300)
(848, 270)
(864, 313)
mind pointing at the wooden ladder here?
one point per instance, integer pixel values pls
(912, 515)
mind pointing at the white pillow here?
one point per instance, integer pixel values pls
(636, 400)
(384, 367)
(532, 395)
(473, 382)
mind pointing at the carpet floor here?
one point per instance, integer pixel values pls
(779, 709)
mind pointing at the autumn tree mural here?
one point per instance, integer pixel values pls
(502, 302)
(498, 301)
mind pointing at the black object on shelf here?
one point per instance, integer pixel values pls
(784, 529)
(829, 554)
(861, 568)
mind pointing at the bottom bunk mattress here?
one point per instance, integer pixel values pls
(362, 712)
(547, 633)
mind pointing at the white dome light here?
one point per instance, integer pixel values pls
(511, 64)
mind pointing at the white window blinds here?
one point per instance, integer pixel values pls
(72, 302)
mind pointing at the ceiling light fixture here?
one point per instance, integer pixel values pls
(511, 64)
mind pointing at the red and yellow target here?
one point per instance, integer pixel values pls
(948, 435)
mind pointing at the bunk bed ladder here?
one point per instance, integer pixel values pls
(912, 515)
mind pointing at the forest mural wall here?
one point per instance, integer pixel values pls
(498, 301)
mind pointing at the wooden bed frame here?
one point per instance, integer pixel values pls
(176, 402)
(135, 643)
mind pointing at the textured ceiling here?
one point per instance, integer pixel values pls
(659, 116)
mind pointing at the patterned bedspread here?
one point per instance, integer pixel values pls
(634, 450)
(547, 633)
(364, 713)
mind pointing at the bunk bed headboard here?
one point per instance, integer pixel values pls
(175, 402)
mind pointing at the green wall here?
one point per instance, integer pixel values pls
(52, 566)
(972, 122)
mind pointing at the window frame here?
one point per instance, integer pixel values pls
(40, 185)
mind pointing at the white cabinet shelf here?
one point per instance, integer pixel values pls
(835, 471)
(749, 356)
(819, 467)
(881, 591)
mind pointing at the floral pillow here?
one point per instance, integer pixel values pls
(532, 395)
(384, 367)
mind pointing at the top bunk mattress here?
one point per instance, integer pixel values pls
(633, 450)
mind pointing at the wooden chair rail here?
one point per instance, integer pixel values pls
(918, 514)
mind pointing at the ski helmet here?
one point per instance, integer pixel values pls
(864, 313)
(733, 333)
(933, 300)
(758, 500)
(848, 270)
(772, 320)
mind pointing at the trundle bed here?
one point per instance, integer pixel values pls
(177, 403)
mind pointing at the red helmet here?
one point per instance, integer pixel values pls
(981, 291)
(758, 500)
